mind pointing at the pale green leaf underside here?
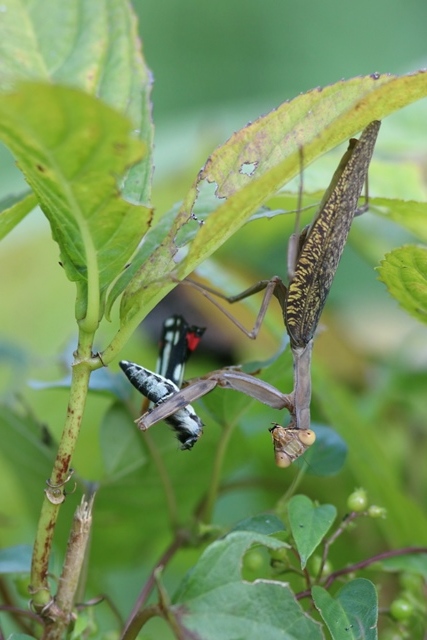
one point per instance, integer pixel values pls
(353, 613)
(328, 454)
(411, 563)
(24, 441)
(122, 450)
(404, 271)
(15, 559)
(12, 214)
(91, 45)
(71, 148)
(408, 214)
(309, 524)
(214, 602)
(258, 160)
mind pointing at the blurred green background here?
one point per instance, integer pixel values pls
(216, 66)
(206, 55)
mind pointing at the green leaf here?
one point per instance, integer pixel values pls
(154, 238)
(353, 613)
(122, 447)
(71, 159)
(16, 559)
(409, 214)
(84, 626)
(214, 602)
(13, 210)
(309, 524)
(411, 562)
(101, 381)
(264, 523)
(404, 271)
(17, 359)
(327, 455)
(315, 121)
(28, 446)
(91, 45)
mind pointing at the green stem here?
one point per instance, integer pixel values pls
(208, 507)
(292, 488)
(55, 493)
(165, 480)
(138, 614)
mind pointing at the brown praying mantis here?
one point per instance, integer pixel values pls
(313, 258)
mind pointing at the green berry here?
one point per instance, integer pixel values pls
(401, 609)
(411, 582)
(279, 555)
(315, 563)
(377, 512)
(357, 501)
(253, 560)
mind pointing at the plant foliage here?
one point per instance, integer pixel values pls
(75, 113)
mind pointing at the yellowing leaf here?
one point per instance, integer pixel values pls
(254, 163)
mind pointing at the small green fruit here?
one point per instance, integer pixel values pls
(357, 501)
(401, 609)
(377, 512)
(253, 560)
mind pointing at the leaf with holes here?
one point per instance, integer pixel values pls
(316, 121)
(214, 602)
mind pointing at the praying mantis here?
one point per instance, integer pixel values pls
(313, 258)
(177, 342)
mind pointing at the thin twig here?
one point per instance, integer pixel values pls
(362, 565)
(180, 539)
(366, 563)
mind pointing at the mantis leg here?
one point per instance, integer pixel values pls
(302, 385)
(273, 287)
(226, 379)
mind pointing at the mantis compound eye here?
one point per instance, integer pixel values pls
(307, 437)
(282, 459)
(289, 443)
